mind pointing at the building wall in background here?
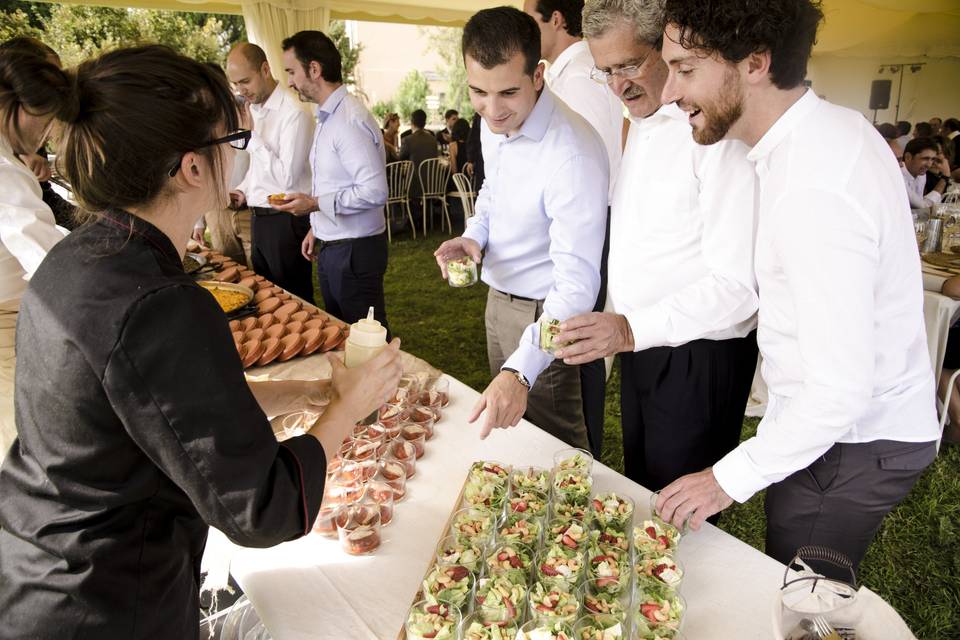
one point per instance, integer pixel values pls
(390, 52)
(932, 91)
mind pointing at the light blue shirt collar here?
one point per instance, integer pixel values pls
(332, 103)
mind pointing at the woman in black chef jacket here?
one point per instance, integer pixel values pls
(136, 427)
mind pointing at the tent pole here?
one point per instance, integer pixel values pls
(896, 118)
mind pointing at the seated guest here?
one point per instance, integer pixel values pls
(903, 132)
(450, 116)
(458, 145)
(420, 145)
(474, 154)
(137, 436)
(391, 139)
(940, 167)
(30, 89)
(935, 124)
(950, 130)
(888, 131)
(919, 157)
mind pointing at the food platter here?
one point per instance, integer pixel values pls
(193, 263)
(234, 299)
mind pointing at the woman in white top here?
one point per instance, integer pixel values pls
(32, 90)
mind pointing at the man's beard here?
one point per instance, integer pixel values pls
(723, 114)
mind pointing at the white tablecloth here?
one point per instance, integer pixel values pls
(308, 589)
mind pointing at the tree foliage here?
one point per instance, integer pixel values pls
(445, 41)
(349, 53)
(411, 95)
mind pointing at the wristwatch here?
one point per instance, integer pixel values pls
(522, 379)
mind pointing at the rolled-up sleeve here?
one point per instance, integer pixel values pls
(832, 276)
(197, 420)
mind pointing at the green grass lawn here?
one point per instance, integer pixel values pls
(914, 563)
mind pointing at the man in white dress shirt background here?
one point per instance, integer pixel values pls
(568, 77)
(278, 151)
(348, 238)
(539, 223)
(851, 421)
(919, 157)
(682, 293)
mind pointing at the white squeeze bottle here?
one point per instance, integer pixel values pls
(367, 338)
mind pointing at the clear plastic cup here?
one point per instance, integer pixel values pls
(504, 596)
(454, 550)
(477, 626)
(530, 478)
(399, 450)
(359, 449)
(549, 329)
(395, 475)
(423, 416)
(407, 390)
(553, 602)
(527, 503)
(454, 582)
(432, 620)
(660, 568)
(461, 272)
(374, 431)
(390, 414)
(474, 524)
(650, 604)
(296, 424)
(358, 528)
(416, 435)
(559, 568)
(509, 558)
(438, 388)
(611, 510)
(653, 513)
(544, 630)
(358, 470)
(599, 598)
(573, 459)
(600, 627)
(326, 522)
(381, 494)
(521, 528)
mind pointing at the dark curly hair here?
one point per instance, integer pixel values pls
(737, 28)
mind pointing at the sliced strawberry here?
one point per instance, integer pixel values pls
(602, 582)
(664, 540)
(543, 607)
(520, 506)
(502, 556)
(458, 572)
(660, 568)
(570, 542)
(515, 562)
(651, 532)
(599, 559)
(434, 608)
(648, 611)
(550, 571)
(597, 505)
(432, 634)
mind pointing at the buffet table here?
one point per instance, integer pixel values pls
(309, 588)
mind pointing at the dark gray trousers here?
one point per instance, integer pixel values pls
(840, 500)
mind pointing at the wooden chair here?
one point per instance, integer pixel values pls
(434, 175)
(399, 177)
(465, 193)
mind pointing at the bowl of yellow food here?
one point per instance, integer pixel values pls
(230, 297)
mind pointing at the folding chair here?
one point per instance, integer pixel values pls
(434, 175)
(466, 194)
(399, 177)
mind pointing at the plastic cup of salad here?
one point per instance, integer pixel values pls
(549, 330)
(601, 598)
(483, 624)
(545, 630)
(358, 527)
(433, 620)
(521, 528)
(527, 502)
(572, 486)
(395, 475)
(657, 609)
(655, 537)
(559, 564)
(570, 534)
(664, 569)
(656, 516)
(474, 524)
(609, 565)
(611, 510)
(573, 459)
(512, 559)
(454, 550)
(451, 583)
(461, 272)
(489, 471)
(553, 603)
(600, 627)
(501, 596)
(530, 479)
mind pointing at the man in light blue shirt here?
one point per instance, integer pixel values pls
(348, 232)
(540, 219)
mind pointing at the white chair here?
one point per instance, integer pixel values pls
(939, 313)
(434, 175)
(399, 177)
(465, 193)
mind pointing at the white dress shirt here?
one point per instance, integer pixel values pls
(682, 230)
(349, 170)
(569, 79)
(915, 186)
(27, 227)
(278, 149)
(841, 298)
(541, 216)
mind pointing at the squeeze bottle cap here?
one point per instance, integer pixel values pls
(368, 332)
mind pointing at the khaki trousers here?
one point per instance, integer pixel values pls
(555, 403)
(224, 236)
(8, 360)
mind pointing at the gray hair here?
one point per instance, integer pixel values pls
(646, 16)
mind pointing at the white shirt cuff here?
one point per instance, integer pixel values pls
(528, 359)
(649, 326)
(327, 204)
(737, 477)
(935, 197)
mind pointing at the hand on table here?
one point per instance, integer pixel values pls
(306, 247)
(38, 165)
(505, 401)
(595, 335)
(299, 204)
(455, 249)
(696, 495)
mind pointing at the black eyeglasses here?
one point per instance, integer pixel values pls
(238, 140)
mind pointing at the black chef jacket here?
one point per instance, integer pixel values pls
(136, 431)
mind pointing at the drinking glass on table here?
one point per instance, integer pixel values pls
(920, 229)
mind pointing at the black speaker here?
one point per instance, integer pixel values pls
(880, 94)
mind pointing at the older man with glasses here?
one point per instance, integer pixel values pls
(681, 282)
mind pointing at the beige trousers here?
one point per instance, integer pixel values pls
(554, 403)
(8, 360)
(224, 235)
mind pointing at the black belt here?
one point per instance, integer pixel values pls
(320, 244)
(513, 297)
(268, 211)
